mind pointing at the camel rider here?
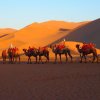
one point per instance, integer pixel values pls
(33, 48)
(55, 46)
(42, 48)
(30, 49)
(85, 46)
(9, 50)
(61, 46)
(16, 50)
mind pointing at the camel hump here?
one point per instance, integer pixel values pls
(4, 52)
(61, 46)
(43, 48)
(88, 46)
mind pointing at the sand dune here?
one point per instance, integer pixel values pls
(36, 34)
(89, 32)
(41, 31)
(7, 33)
(7, 30)
(46, 33)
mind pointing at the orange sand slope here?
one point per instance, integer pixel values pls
(51, 32)
(7, 30)
(40, 31)
(89, 32)
(40, 34)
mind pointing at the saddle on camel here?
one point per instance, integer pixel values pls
(60, 46)
(31, 48)
(43, 48)
(13, 54)
(88, 46)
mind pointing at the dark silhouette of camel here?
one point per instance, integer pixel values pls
(4, 56)
(35, 53)
(83, 53)
(13, 55)
(30, 53)
(65, 51)
(45, 53)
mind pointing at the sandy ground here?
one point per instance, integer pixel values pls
(71, 81)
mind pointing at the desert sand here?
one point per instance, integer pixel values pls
(71, 81)
(7, 30)
(66, 81)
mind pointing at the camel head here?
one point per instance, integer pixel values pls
(24, 50)
(78, 46)
(51, 46)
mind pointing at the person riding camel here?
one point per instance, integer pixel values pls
(42, 48)
(16, 50)
(9, 50)
(29, 49)
(61, 46)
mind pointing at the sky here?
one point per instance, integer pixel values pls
(20, 13)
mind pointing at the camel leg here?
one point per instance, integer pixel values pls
(81, 58)
(66, 57)
(28, 60)
(19, 59)
(97, 58)
(36, 60)
(55, 58)
(3, 60)
(15, 57)
(40, 59)
(93, 58)
(60, 58)
(48, 58)
(70, 55)
(85, 59)
(11, 60)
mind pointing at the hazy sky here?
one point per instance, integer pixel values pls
(19, 13)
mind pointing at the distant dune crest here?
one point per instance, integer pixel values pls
(51, 32)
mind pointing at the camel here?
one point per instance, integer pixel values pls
(10, 55)
(4, 56)
(30, 53)
(57, 51)
(35, 53)
(43, 52)
(13, 55)
(16, 54)
(86, 52)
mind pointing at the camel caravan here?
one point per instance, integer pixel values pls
(13, 55)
